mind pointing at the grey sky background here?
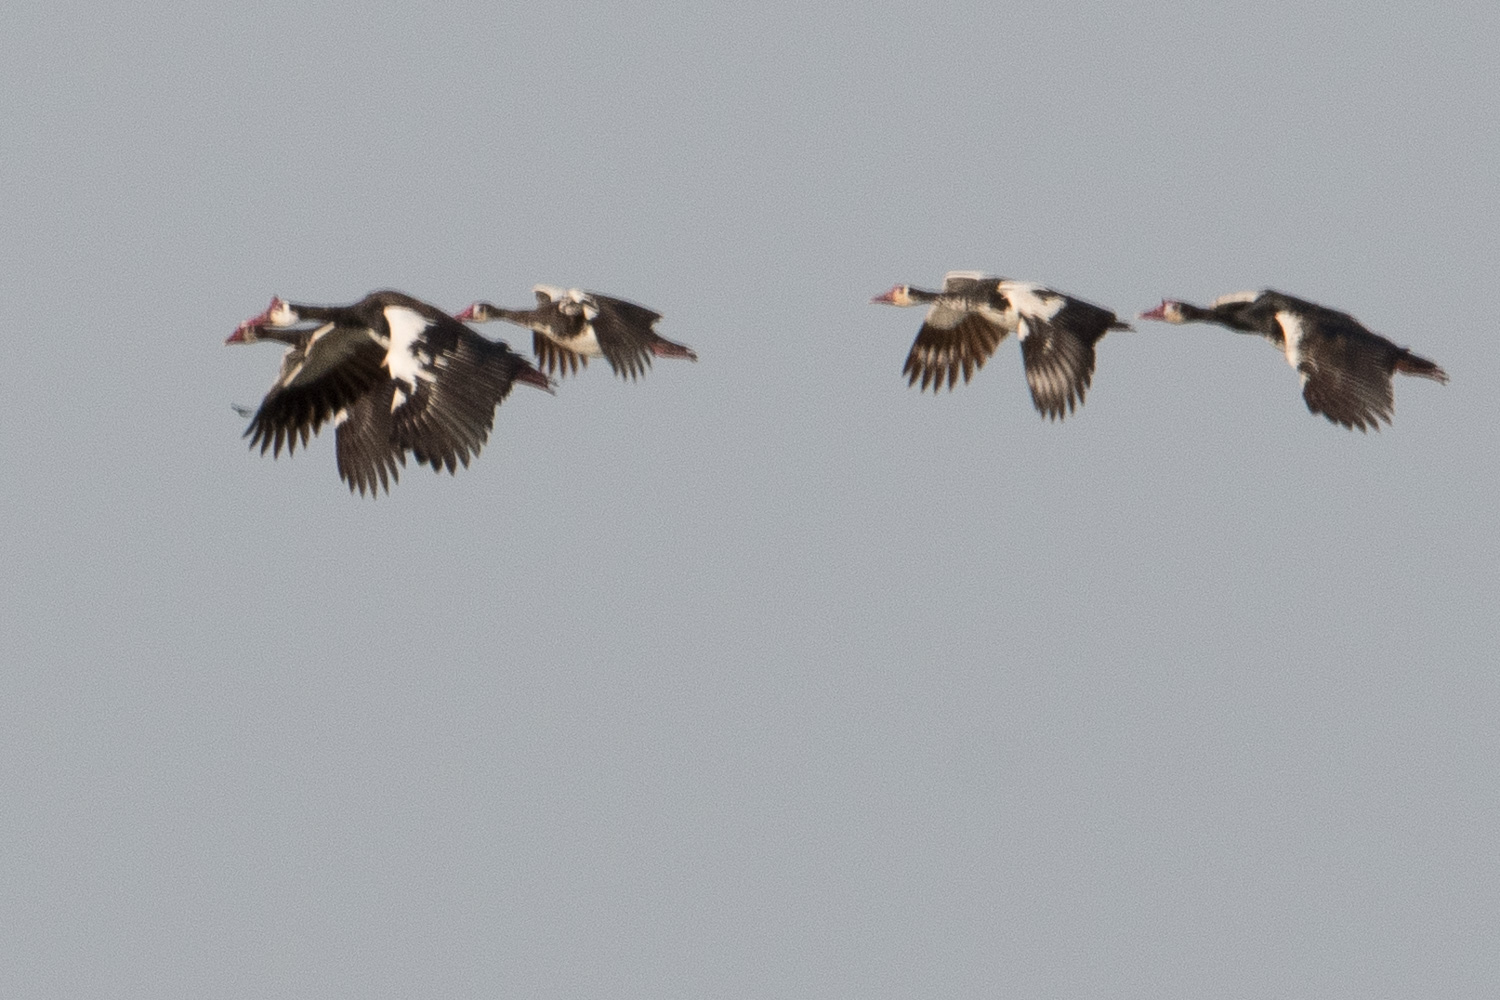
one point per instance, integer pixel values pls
(765, 676)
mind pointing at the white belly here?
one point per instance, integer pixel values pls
(586, 343)
(1291, 333)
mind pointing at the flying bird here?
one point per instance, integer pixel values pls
(1345, 369)
(569, 326)
(393, 373)
(966, 321)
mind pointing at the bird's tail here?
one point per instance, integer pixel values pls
(1410, 364)
(666, 349)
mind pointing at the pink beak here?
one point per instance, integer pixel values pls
(889, 297)
(1160, 312)
(467, 314)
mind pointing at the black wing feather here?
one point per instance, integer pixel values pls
(1346, 376)
(943, 353)
(624, 332)
(290, 413)
(448, 419)
(367, 453)
(1059, 355)
(553, 358)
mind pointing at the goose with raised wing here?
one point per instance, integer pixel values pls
(569, 326)
(393, 373)
(966, 321)
(1345, 368)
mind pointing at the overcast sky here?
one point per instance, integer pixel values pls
(765, 676)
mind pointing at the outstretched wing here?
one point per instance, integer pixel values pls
(1345, 369)
(953, 342)
(447, 418)
(319, 376)
(1347, 381)
(365, 443)
(1058, 334)
(623, 332)
(1059, 367)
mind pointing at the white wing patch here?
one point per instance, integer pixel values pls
(1030, 299)
(1233, 297)
(561, 295)
(1292, 332)
(403, 358)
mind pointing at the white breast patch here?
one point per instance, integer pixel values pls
(1291, 332)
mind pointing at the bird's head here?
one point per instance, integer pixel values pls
(277, 314)
(477, 312)
(1170, 311)
(900, 295)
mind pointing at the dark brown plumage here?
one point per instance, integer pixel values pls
(966, 321)
(394, 374)
(570, 326)
(1345, 368)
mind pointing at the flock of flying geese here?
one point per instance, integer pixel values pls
(397, 375)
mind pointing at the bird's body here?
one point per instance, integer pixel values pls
(966, 321)
(393, 373)
(570, 326)
(1345, 369)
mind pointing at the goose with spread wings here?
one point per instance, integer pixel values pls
(966, 321)
(1345, 369)
(393, 373)
(569, 326)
